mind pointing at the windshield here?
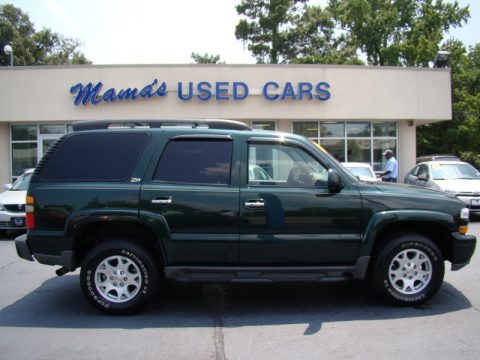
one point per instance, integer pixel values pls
(454, 172)
(22, 183)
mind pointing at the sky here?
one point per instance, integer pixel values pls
(163, 31)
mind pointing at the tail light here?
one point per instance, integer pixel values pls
(30, 215)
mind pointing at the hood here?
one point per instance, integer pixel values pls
(459, 185)
(13, 197)
(401, 196)
(410, 190)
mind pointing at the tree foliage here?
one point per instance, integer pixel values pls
(461, 136)
(31, 47)
(285, 31)
(206, 58)
(398, 32)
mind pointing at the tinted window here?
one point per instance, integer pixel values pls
(195, 162)
(284, 166)
(105, 156)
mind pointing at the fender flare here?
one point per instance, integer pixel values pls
(156, 223)
(380, 220)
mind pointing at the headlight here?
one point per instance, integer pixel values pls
(465, 214)
(464, 218)
(2, 208)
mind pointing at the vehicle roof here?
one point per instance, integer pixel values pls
(443, 162)
(356, 164)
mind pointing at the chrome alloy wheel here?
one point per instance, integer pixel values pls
(118, 279)
(410, 271)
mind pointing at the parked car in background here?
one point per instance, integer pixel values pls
(12, 204)
(363, 170)
(453, 177)
(437, 157)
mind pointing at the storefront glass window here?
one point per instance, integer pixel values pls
(335, 147)
(379, 146)
(264, 125)
(309, 129)
(353, 141)
(358, 150)
(332, 129)
(386, 128)
(52, 129)
(358, 129)
(24, 156)
(29, 143)
(24, 132)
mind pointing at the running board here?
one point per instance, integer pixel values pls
(265, 274)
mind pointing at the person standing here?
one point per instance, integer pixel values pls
(391, 169)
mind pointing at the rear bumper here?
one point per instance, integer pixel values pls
(463, 248)
(66, 259)
(23, 250)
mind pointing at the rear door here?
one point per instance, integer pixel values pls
(193, 186)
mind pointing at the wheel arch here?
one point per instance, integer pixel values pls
(90, 231)
(384, 226)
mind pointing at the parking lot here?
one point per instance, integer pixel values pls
(43, 316)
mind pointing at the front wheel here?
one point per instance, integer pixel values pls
(408, 271)
(119, 277)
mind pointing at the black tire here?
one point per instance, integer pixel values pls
(408, 270)
(134, 284)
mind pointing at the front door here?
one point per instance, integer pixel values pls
(288, 215)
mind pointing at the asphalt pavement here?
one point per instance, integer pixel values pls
(43, 316)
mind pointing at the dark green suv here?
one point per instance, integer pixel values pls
(133, 202)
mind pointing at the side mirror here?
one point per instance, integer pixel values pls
(422, 178)
(7, 186)
(335, 183)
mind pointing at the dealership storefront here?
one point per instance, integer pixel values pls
(355, 112)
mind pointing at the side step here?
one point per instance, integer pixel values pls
(259, 274)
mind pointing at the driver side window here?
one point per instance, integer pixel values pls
(285, 166)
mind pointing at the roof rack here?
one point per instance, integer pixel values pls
(203, 123)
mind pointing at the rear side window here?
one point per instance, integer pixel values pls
(195, 162)
(96, 157)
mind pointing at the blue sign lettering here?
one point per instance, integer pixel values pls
(202, 91)
(240, 91)
(91, 93)
(273, 91)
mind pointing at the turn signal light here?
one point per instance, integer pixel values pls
(29, 209)
(463, 229)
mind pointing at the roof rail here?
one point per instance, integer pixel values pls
(202, 123)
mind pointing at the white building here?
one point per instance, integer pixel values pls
(355, 112)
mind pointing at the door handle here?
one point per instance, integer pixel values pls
(254, 204)
(165, 200)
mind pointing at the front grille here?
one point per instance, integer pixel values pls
(20, 208)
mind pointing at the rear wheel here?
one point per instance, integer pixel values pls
(119, 277)
(409, 270)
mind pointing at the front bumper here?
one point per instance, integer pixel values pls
(463, 248)
(471, 202)
(12, 221)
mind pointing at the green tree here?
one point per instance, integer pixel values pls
(206, 58)
(285, 31)
(398, 32)
(461, 136)
(266, 29)
(30, 47)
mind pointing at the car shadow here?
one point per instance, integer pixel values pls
(59, 303)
